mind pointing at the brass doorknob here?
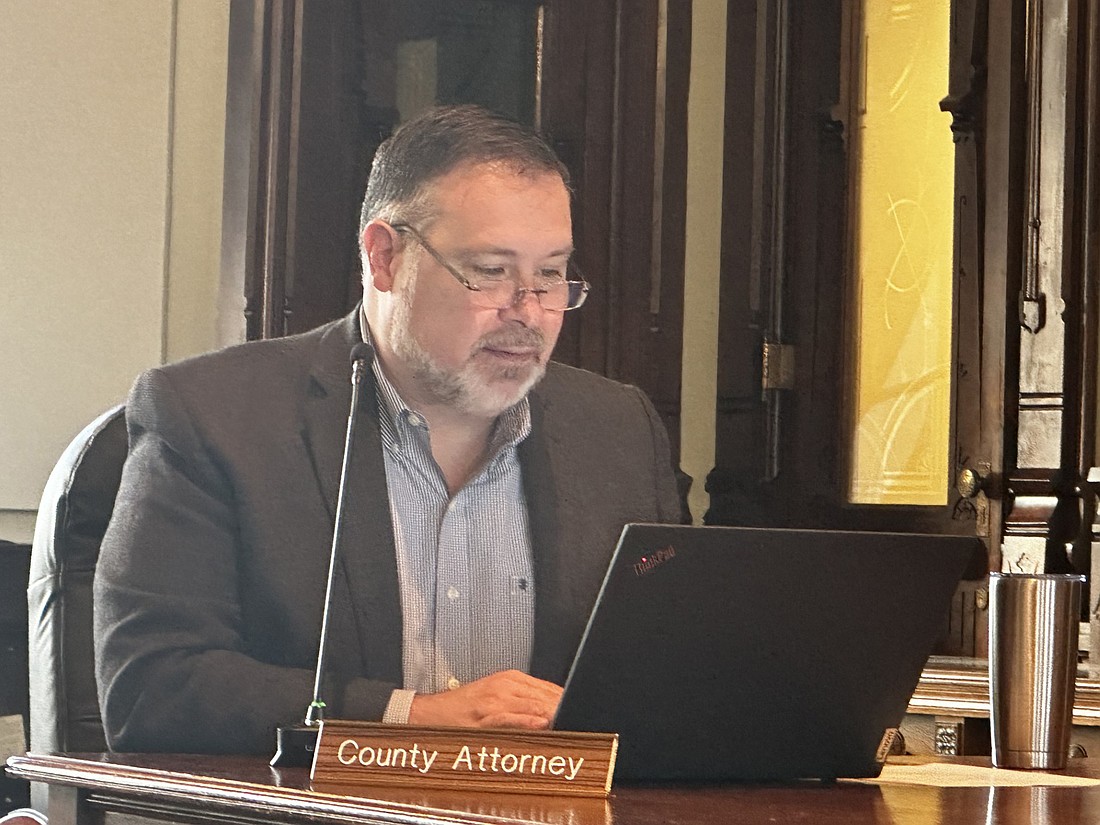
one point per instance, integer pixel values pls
(969, 483)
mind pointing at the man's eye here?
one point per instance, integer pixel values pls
(491, 273)
(551, 274)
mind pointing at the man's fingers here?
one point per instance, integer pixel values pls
(524, 685)
(515, 720)
(529, 708)
(514, 700)
(505, 699)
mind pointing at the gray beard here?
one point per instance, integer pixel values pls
(475, 389)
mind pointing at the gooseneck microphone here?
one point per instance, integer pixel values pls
(295, 744)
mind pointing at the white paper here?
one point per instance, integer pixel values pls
(13, 739)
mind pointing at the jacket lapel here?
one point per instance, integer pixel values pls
(367, 570)
(552, 650)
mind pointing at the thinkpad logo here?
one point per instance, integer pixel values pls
(652, 560)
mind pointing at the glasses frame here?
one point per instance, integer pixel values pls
(520, 290)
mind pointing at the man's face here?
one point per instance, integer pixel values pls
(449, 351)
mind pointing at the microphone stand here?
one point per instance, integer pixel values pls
(295, 744)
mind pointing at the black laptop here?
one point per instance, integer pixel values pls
(759, 654)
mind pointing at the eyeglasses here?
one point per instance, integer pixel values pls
(497, 288)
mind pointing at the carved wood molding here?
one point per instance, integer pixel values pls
(263, 61)
(958, 690)
(1055, 335)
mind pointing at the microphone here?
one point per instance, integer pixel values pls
(295, 744)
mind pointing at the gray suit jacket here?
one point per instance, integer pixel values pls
(211, 577)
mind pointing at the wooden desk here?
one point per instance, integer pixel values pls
(131, 789)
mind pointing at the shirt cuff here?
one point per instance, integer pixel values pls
(397, 710)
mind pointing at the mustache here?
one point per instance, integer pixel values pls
(522, 338)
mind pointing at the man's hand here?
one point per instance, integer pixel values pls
(507, 699)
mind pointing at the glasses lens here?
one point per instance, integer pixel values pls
(493, 294)
(498, 293)
(578, 291)
(557, 297)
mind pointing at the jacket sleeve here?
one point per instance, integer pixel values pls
(173, 666)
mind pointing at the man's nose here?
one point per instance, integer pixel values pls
(525, 307)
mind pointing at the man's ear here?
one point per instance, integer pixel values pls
(379, 243)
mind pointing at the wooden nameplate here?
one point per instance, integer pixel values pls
(352, 757)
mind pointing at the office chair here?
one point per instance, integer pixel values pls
(76, 506)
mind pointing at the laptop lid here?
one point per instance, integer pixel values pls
(758, 654)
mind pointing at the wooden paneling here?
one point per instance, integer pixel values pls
(613, 99)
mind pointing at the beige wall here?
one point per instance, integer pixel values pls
(110, 191)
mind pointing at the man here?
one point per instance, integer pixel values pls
(486, 490)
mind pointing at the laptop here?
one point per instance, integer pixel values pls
(727, 653)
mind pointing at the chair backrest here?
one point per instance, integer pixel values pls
(23, 816)
(76, 506)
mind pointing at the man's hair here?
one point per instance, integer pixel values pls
(436, 142)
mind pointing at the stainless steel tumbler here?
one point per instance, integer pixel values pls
(1033, 621)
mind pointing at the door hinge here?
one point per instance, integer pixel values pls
(778, 366)
(1033, 312)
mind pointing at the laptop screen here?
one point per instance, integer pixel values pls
(758, 654)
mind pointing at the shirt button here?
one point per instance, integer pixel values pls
(415, 419)
(453, 683)
(452, 593)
